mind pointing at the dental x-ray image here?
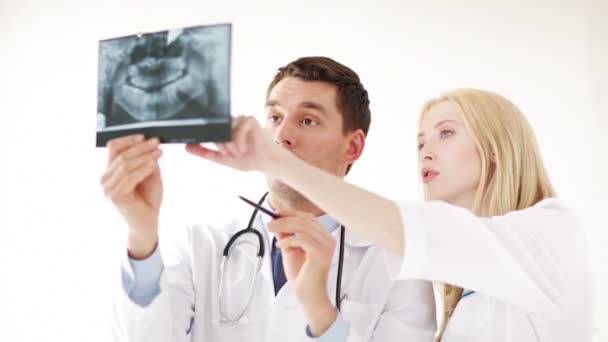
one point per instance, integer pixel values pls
(174, 85)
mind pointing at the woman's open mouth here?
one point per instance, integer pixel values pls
(428, 175)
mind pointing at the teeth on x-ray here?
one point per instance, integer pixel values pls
(164, 79)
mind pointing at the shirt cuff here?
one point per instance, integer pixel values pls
(337, 332)
(141, 278)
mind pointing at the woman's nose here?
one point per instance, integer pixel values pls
(426, 154)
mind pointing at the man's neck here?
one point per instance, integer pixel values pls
(281, 204)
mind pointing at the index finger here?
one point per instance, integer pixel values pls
(117, 145)
(296, 225)
(281, 236)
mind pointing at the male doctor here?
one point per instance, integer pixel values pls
(318, 109)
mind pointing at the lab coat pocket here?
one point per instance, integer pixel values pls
(361, 317)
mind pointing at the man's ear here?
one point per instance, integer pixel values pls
(356, 144)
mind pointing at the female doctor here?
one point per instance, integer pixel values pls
(491, 226)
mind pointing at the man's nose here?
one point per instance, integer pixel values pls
(284, 135)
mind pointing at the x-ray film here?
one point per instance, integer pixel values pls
(174, 85)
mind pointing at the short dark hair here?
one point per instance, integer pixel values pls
(351, 99)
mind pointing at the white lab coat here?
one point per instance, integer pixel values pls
(376, 307)
(530, 270)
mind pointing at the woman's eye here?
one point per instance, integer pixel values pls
(446, 133)
(309, 122)
(420, 146)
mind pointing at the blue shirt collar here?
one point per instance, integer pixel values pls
(328, 222)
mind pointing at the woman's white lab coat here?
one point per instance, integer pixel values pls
(529, 269)
(376, 307)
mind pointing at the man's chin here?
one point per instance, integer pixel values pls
(282, 190)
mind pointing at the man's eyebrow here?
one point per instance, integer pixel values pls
(304, 104)
(439, 123)
(313, 105)
(272, 103)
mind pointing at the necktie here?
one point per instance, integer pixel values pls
(278, 273)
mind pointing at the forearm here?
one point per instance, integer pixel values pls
(370, 216)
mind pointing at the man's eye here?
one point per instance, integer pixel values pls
(273, 118)
(446, 133)
(420, 146)
(309, 122)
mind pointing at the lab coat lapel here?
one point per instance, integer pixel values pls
(350, 240)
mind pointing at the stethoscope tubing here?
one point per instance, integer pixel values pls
(260, 256)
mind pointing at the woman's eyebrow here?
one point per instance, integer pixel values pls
(445, 121)
(438, 124)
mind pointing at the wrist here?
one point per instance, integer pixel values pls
(141, 246)
(321, 317)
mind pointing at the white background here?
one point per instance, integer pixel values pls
(60, 240)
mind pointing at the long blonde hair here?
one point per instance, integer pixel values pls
(513, 175)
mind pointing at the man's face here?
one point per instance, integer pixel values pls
(303, 117)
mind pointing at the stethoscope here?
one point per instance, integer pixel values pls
(224, 319)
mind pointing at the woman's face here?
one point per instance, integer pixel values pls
(449, 162)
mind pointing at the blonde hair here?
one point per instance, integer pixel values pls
(513, 175)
